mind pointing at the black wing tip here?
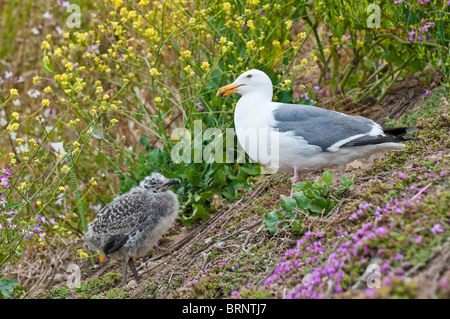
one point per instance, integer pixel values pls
(114, 243)
(400, 131)
(383, 139)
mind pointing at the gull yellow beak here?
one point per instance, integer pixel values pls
(102, 258)
(228, 89)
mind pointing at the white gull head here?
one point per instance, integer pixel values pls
(250, 82)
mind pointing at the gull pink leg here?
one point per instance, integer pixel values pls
(296, 178)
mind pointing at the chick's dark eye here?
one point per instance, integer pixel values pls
(249, 76)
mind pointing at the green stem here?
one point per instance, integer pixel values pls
(80, 206)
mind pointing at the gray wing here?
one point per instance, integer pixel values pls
(122, 216)
(329, 129)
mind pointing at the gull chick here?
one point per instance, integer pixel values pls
(132, 223)
(303, 138)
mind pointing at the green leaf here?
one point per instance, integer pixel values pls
(348, 183)
(319, 204)
(369, 63)
(193, 175)
(271, 220)
(297, 226)
(46, 64)
(220, 178)
(308, 102)
(312, 193)
(302, 201)
(198, 212)
(7, 287)
(327, 177)
(144, 140)
(300, 186)
(11, 206)
(287, 203)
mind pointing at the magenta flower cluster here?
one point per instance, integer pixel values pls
(9, 218)
(12, 228)
(420, 33)
(5, 173)
(318, 268)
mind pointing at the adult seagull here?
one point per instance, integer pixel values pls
(307, 138)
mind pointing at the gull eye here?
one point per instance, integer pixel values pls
(249, 76)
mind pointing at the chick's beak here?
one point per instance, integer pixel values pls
(228, 89)
(170, 182)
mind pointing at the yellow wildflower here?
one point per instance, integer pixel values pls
(80, 251)
(185, 55)
(205, 66)
(23, 185)
(288, 24)
(45, 45)
(143, 3)
(301, 35)
(250, 45)
(57, 52)
(92, 181)
(154, 72)
(226, 6)
(69, 66)
(12, 127)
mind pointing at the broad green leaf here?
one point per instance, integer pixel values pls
(287, 203)
(271, 220)
(327, 177)
(220, 178)
(144, 140)
(299, 186)
(198, 212)
(7, 287)
(318, 205)
(302, 201)
(297, 226)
